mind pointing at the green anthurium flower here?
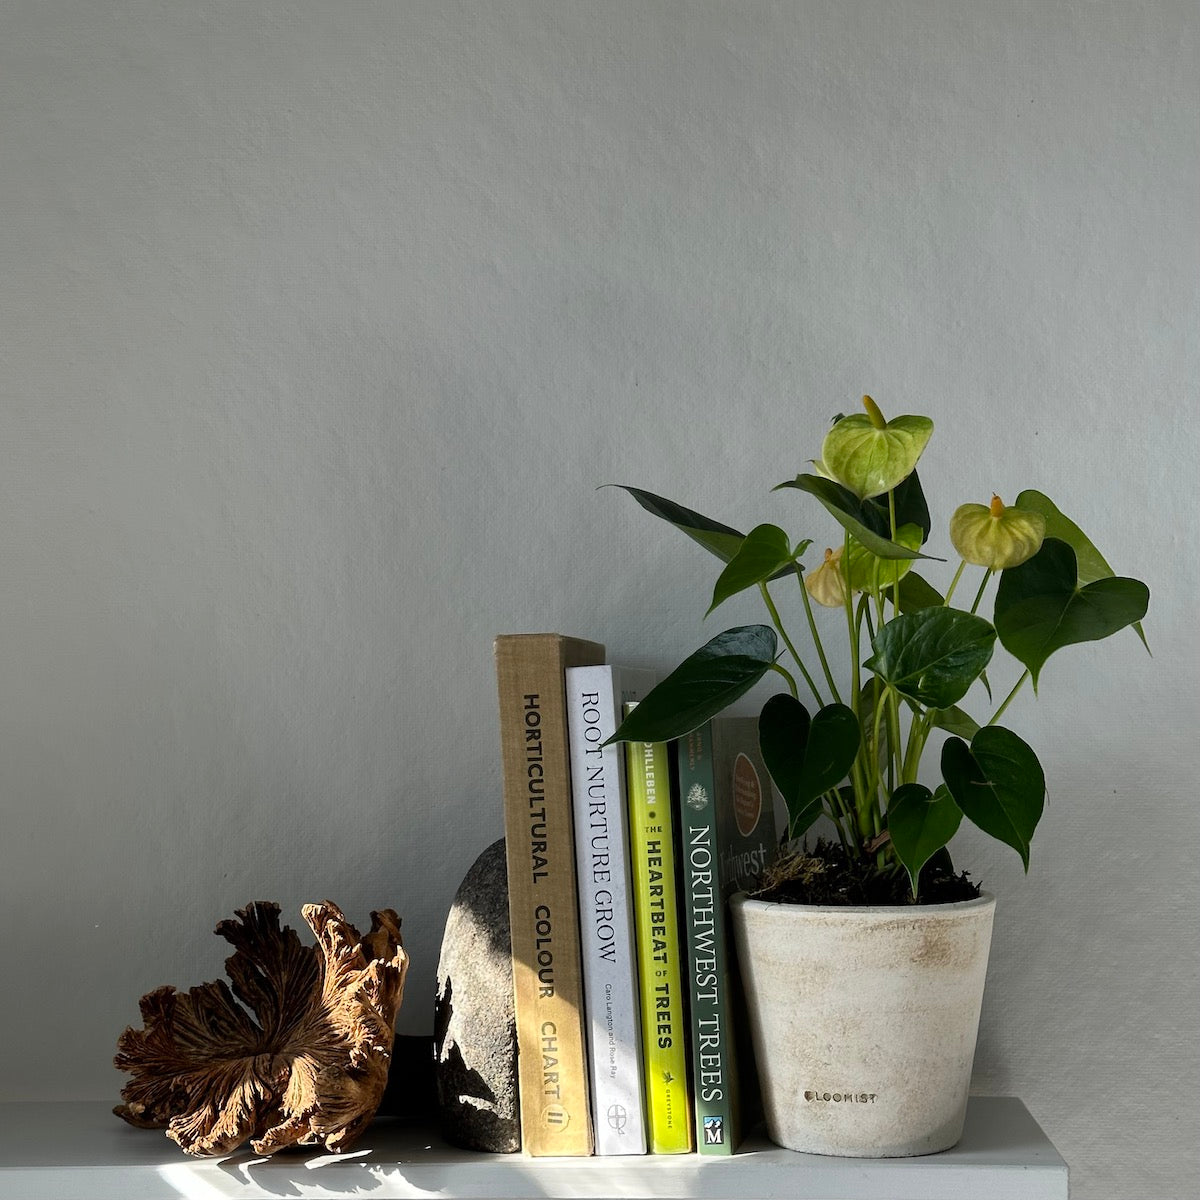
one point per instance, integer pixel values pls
(869, 455)
(870, 573)
(996, 537)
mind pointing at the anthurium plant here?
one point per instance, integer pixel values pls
(852, 749)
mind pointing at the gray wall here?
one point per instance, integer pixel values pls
(320, 325)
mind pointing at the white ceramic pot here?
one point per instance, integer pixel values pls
(864, 1021)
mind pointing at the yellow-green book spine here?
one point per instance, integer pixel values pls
(659, 950)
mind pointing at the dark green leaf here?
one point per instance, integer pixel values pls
(933, 655)
(833, 742)
(855, 516)
(955, 721)
(804, 819)
(998, 783)
(911, 508)
(1090, 562)
(1040, 607)
(806, 757)
(762, 555)
(704, 684)
(718, 539)
(916, 594)
(921, 823)
(783, 729)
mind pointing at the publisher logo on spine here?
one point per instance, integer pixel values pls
(714, 1131)
(555, 1118)
(618, 1118)
(747, 795)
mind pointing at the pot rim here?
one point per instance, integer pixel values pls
(985, 899)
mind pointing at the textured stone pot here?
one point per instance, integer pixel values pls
(864, 1021)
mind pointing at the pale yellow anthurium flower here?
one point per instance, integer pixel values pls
(871, 456)
(826, 585)
(996, 537)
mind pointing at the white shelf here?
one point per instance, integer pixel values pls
(80, 1151)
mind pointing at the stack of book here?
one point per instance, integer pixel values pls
(621, 859)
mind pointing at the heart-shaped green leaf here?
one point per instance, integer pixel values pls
(916, 593)
(806, 758)
(1090, 562)
(764, 553)
(833, 742)
(954, 720)
(920, 823)
(704, 684)
(870, 573)
(1040, 607)
(783, 729)
(908, 498)
(933, 655)
(998, 783)
(870, 460)
(716, 538)
(863, 522)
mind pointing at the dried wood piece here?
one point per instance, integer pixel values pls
(296, 1052)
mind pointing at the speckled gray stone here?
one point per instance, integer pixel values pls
(475, 1039)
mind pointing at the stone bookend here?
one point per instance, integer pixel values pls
(475, 1040)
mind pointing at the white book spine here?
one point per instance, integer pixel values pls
(596, 697)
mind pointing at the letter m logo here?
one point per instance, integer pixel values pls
(714, 1131)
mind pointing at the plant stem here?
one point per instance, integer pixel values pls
(891, 700)
(852, 626)
(816, 637)
(839, 814)
(954, 582)
(987, 574)
(884, 703)
(1009, 698)
(894, 764)
(893, 697)
(870, 623)
(862, 798)
(896, 581)
(788, 676)
(835, 818)
(881, 706)
(787, 641)
(918, 734)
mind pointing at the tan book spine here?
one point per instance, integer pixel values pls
(542, 889)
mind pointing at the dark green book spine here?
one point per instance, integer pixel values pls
(727, 818)
(713, 1069)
